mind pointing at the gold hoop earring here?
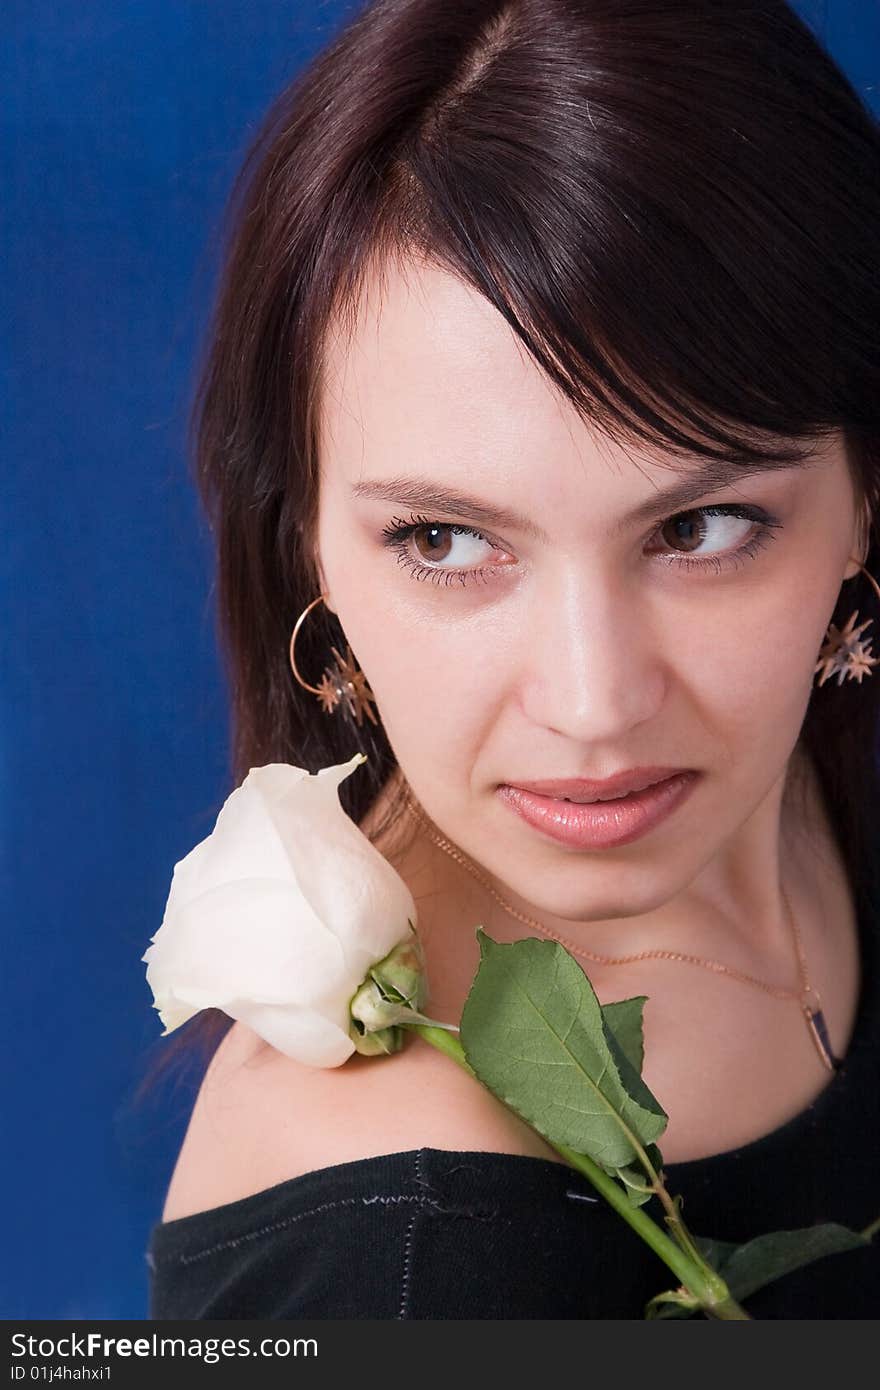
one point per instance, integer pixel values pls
(845, 653)
(344, 685)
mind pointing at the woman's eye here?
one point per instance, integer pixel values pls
(422, 545)
(718, 538)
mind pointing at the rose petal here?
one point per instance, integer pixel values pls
(253, 937)
(299, 1033)
(364, 900)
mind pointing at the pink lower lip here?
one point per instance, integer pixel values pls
(601, 824)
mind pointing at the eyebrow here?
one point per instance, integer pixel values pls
(709, 476)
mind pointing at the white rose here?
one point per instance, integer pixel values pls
(279, 915)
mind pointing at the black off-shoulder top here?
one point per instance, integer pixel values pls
(436, 1233)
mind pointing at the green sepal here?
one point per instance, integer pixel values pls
(635, 1179)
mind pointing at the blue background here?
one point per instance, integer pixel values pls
(123, 124)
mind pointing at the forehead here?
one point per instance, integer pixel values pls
(426, 379)
(429, 363)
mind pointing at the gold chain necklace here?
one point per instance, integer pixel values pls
(815, 1019)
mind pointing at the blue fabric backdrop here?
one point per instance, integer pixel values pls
(124, 122)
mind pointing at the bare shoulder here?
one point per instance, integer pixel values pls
(261, 1118)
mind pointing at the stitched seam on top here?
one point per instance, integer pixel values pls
(407, 1244)
(262, 1231)
(406, 1197)
(407, 1249)
(235, 1241)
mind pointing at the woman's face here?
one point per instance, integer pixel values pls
(587, 625)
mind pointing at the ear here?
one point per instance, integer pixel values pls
(861, 539)
(322, 586)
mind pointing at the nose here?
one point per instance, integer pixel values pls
(592, 666)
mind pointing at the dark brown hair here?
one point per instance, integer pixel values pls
(677, 209)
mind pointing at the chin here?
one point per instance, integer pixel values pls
(575, 902)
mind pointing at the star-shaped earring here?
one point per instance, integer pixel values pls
(344, 683)
(843, 653)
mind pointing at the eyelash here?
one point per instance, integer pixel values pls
(399, 531)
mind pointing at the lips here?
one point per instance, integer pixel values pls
(586, 790)
(599, 825)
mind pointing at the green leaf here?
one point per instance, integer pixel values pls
(745, 1268)
(629, 1076)
(534, 1033)
(624, 1018)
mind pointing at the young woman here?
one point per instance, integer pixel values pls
(544, 374)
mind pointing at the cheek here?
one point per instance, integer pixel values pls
(432, 692)
(754, 677)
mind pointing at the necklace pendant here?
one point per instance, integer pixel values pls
(819, 1033)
